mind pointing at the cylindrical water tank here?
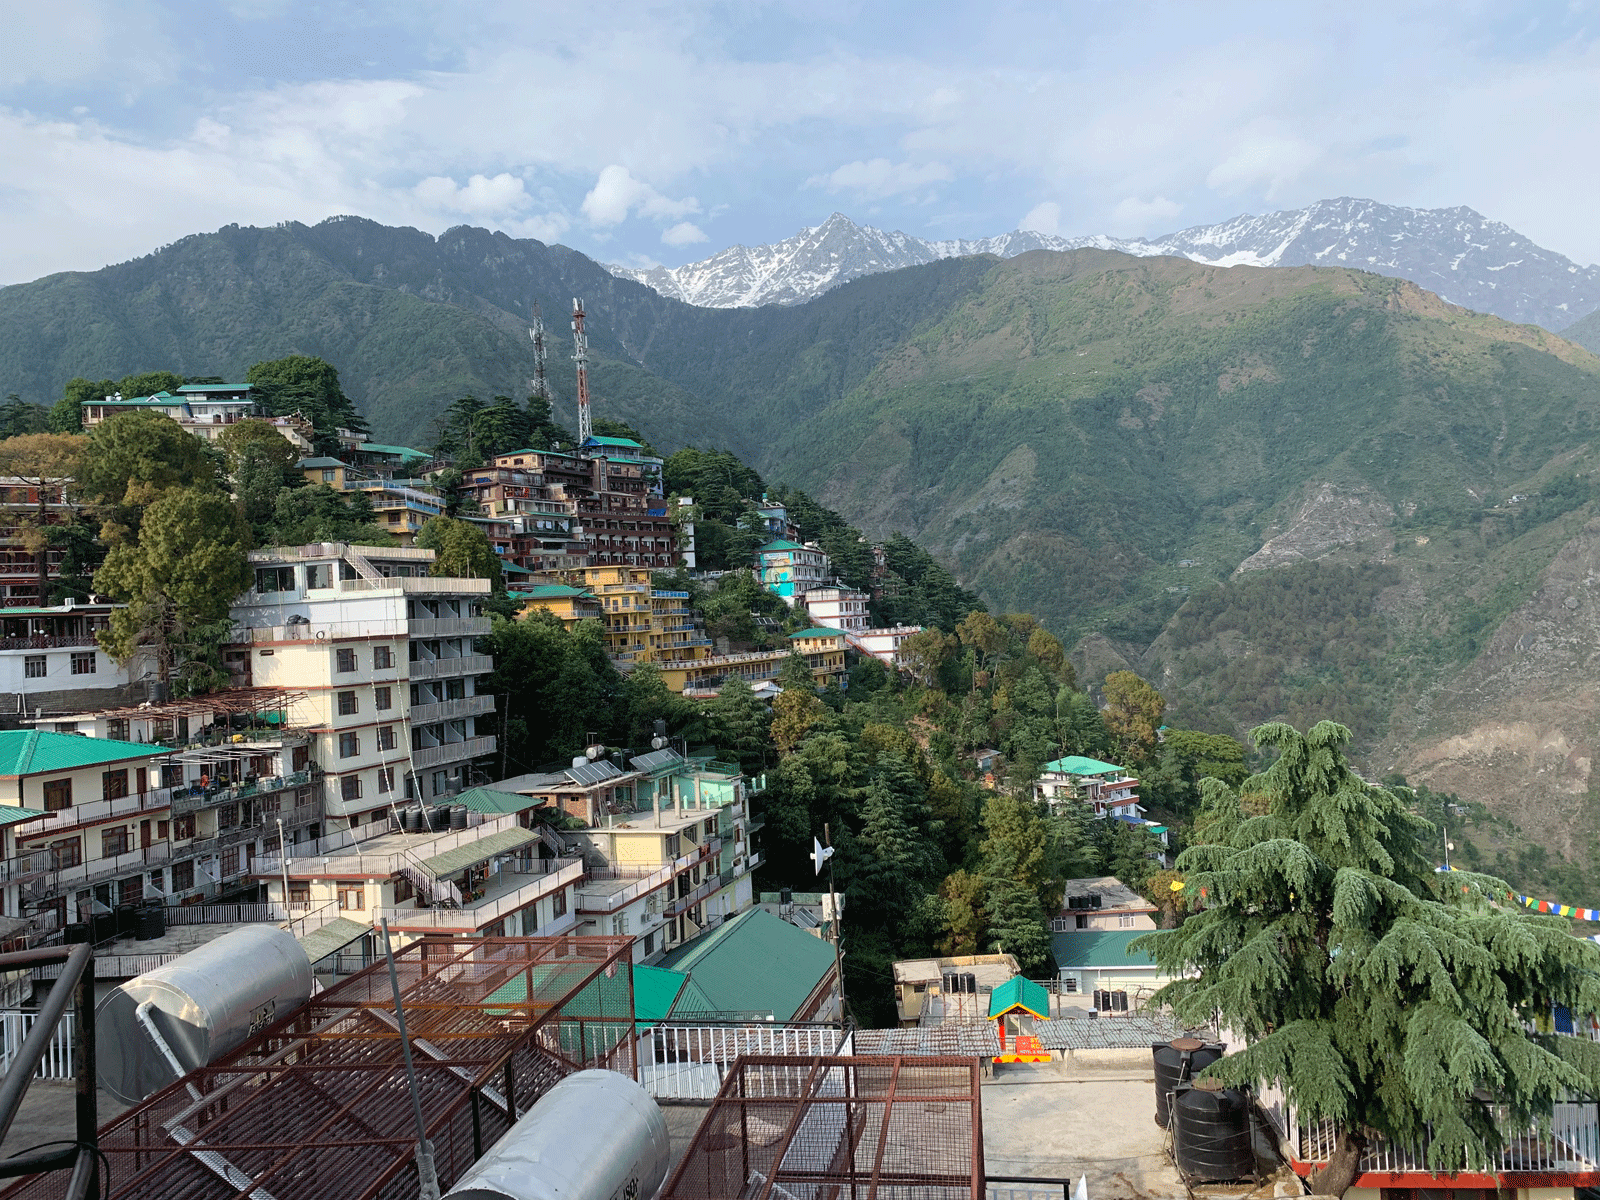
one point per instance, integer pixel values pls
(595, 1135)
(1211, 1132)
(204, 1003)
(150, 923)
(458, 816)
(1178, 1061)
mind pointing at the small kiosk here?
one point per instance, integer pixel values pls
(1018, 1002)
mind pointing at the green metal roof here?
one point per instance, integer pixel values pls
(655, 991)
(11, 815)
(332, 937)
(39, 751)
(1077, 764)
(514, 569)
(554, 591)
(160, 399)
(754, 963)
(58, 611)
(818, 631)
(402, 451)
(779, 544)
(441, 866)
(1099, 948)
(614, 441)
(323, 461)
(487, 800)
(215, 387)
(1018, 992)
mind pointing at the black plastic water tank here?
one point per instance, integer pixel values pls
(103, 927)
(1211, 1132)
(151, 923)
(969, 983)
(441, 818)
(75, 932)
(1177, 1062)
(458, 816)
(1119, 1001)
(127, 916)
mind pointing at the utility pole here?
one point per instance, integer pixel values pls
(820, 854)
(541, 386)
(580, 355)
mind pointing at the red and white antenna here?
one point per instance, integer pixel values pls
(580, 355)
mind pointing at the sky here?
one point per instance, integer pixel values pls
(661, 133)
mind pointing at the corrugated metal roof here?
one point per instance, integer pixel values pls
(488, 800)
(484, 848)
(11, 816)
(1018, 992)
(1099, 948)
(38, 751)
(1077, 764)
(817, 631)
(753, 963)
(1106, 1033)
(951, 1037)
(332, 937)
(655, 990)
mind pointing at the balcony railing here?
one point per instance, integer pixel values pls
(444, 668)
(679, 904)
(542, 880)
(605, 903)
(74, 815)
(444, 710)
(339, 854)
(433, 756)
(432, 627)
(187, 800)
(46, 641)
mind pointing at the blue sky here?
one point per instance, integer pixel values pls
(645, 133)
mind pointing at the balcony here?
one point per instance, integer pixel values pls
(433, 627)
(95, 810)
(47, 641)
(188, 800)
(510, 891)
(609, 889)
(433, 756)
(444, 710)
(682, 904)
(444, 668)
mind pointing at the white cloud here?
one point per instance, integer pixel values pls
(616, 193)
(1263, 161)
(1043, 218)
(684, 233)
(1133, 215)
(481, 197)
(878, 178)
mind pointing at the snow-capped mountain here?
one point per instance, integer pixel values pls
(1456, 252)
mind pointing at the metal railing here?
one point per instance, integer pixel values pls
(688, 1062)
(81, 1154)
(110, 966)
(592, 902)
(442, 668)
(16, 1023)
(191, 799)
(433, 756)
(444, 710)
(344, 856)
(541, 882)
(96, 810)
(1023, 1187)
(220, 914)
(432, 627)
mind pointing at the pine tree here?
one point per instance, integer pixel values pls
(1385, 997)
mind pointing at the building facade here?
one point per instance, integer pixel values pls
(51, 663)
(385, 657)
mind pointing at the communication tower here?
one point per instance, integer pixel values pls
(580, 355)
(541, 386)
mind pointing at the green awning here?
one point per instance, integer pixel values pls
(453, 862)
(332, 937)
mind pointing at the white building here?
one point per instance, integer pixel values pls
(51, 663)
(838, 608)
(883, 644)
(385, 656)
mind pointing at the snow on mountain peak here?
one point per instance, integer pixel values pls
(1456, 252)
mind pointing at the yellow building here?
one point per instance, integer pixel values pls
(823, 650)
(569, 603)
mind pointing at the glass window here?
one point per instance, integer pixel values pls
(352, 895)
(345, 660)
(299, 893)
(183, 876)
(34, 666)
(230, 861)
(183, 828)
(113, 841)
(349, 745)
(558, 904)
(66, 853)
(386, 779)
(382, 658)
(386, 737)
(1125, 920)
(350, 787)
(114, 784)
(83, 663)
(347, 704)
(382, 698)
(57, 795)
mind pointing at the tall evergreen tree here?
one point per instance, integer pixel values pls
(1386, 998)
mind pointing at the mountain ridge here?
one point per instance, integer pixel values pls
(1456, 252)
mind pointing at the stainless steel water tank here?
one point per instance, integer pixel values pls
(593, 1136)
(204, 1003)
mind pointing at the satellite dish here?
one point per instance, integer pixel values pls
(820, 854)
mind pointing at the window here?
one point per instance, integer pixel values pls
(227, 816)
(349, 745)
(230, 861)
(113, 841)
(386, 738)
(619, 926)
(350, 787)
(352, 895)
(329, 474)
(382, 658)
(299, 893)
(33, 667)
(558, 904)
(711, 827)
(274, 579)
(344, 660)
(441, 782)
(382, 698)
(403, 889)
(66, 853)
(455, 689)
(57, 795)
(183, 876)
(1083, 921)
(162, 830)
(83, 664)
(183, 828)
(117, 729)
(1125, 920)
(347, 704)
(161, 729)
(385, 779)
(114, 784)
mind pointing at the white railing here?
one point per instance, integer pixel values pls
(322, 631)
(432, 627)
(596, 902)
(486, 912)
(149, 800)
(330, 857)
(57, 1062)
(433, 756)
(310, 920)
(688, 1062)
(444, 710)
(112, 966)
(441, 668)
(440, 585)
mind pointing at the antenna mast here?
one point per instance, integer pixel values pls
(541, 388)
(580, 355)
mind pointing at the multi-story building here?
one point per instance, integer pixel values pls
(823, 650)
(642, 623)
(669, 850)
(569, 602)
(27, 575)
(838, 608)
(1102, 902)
(51, 663)
(385, 657)
(790, 570)
(204, 409)
(1107, 788)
